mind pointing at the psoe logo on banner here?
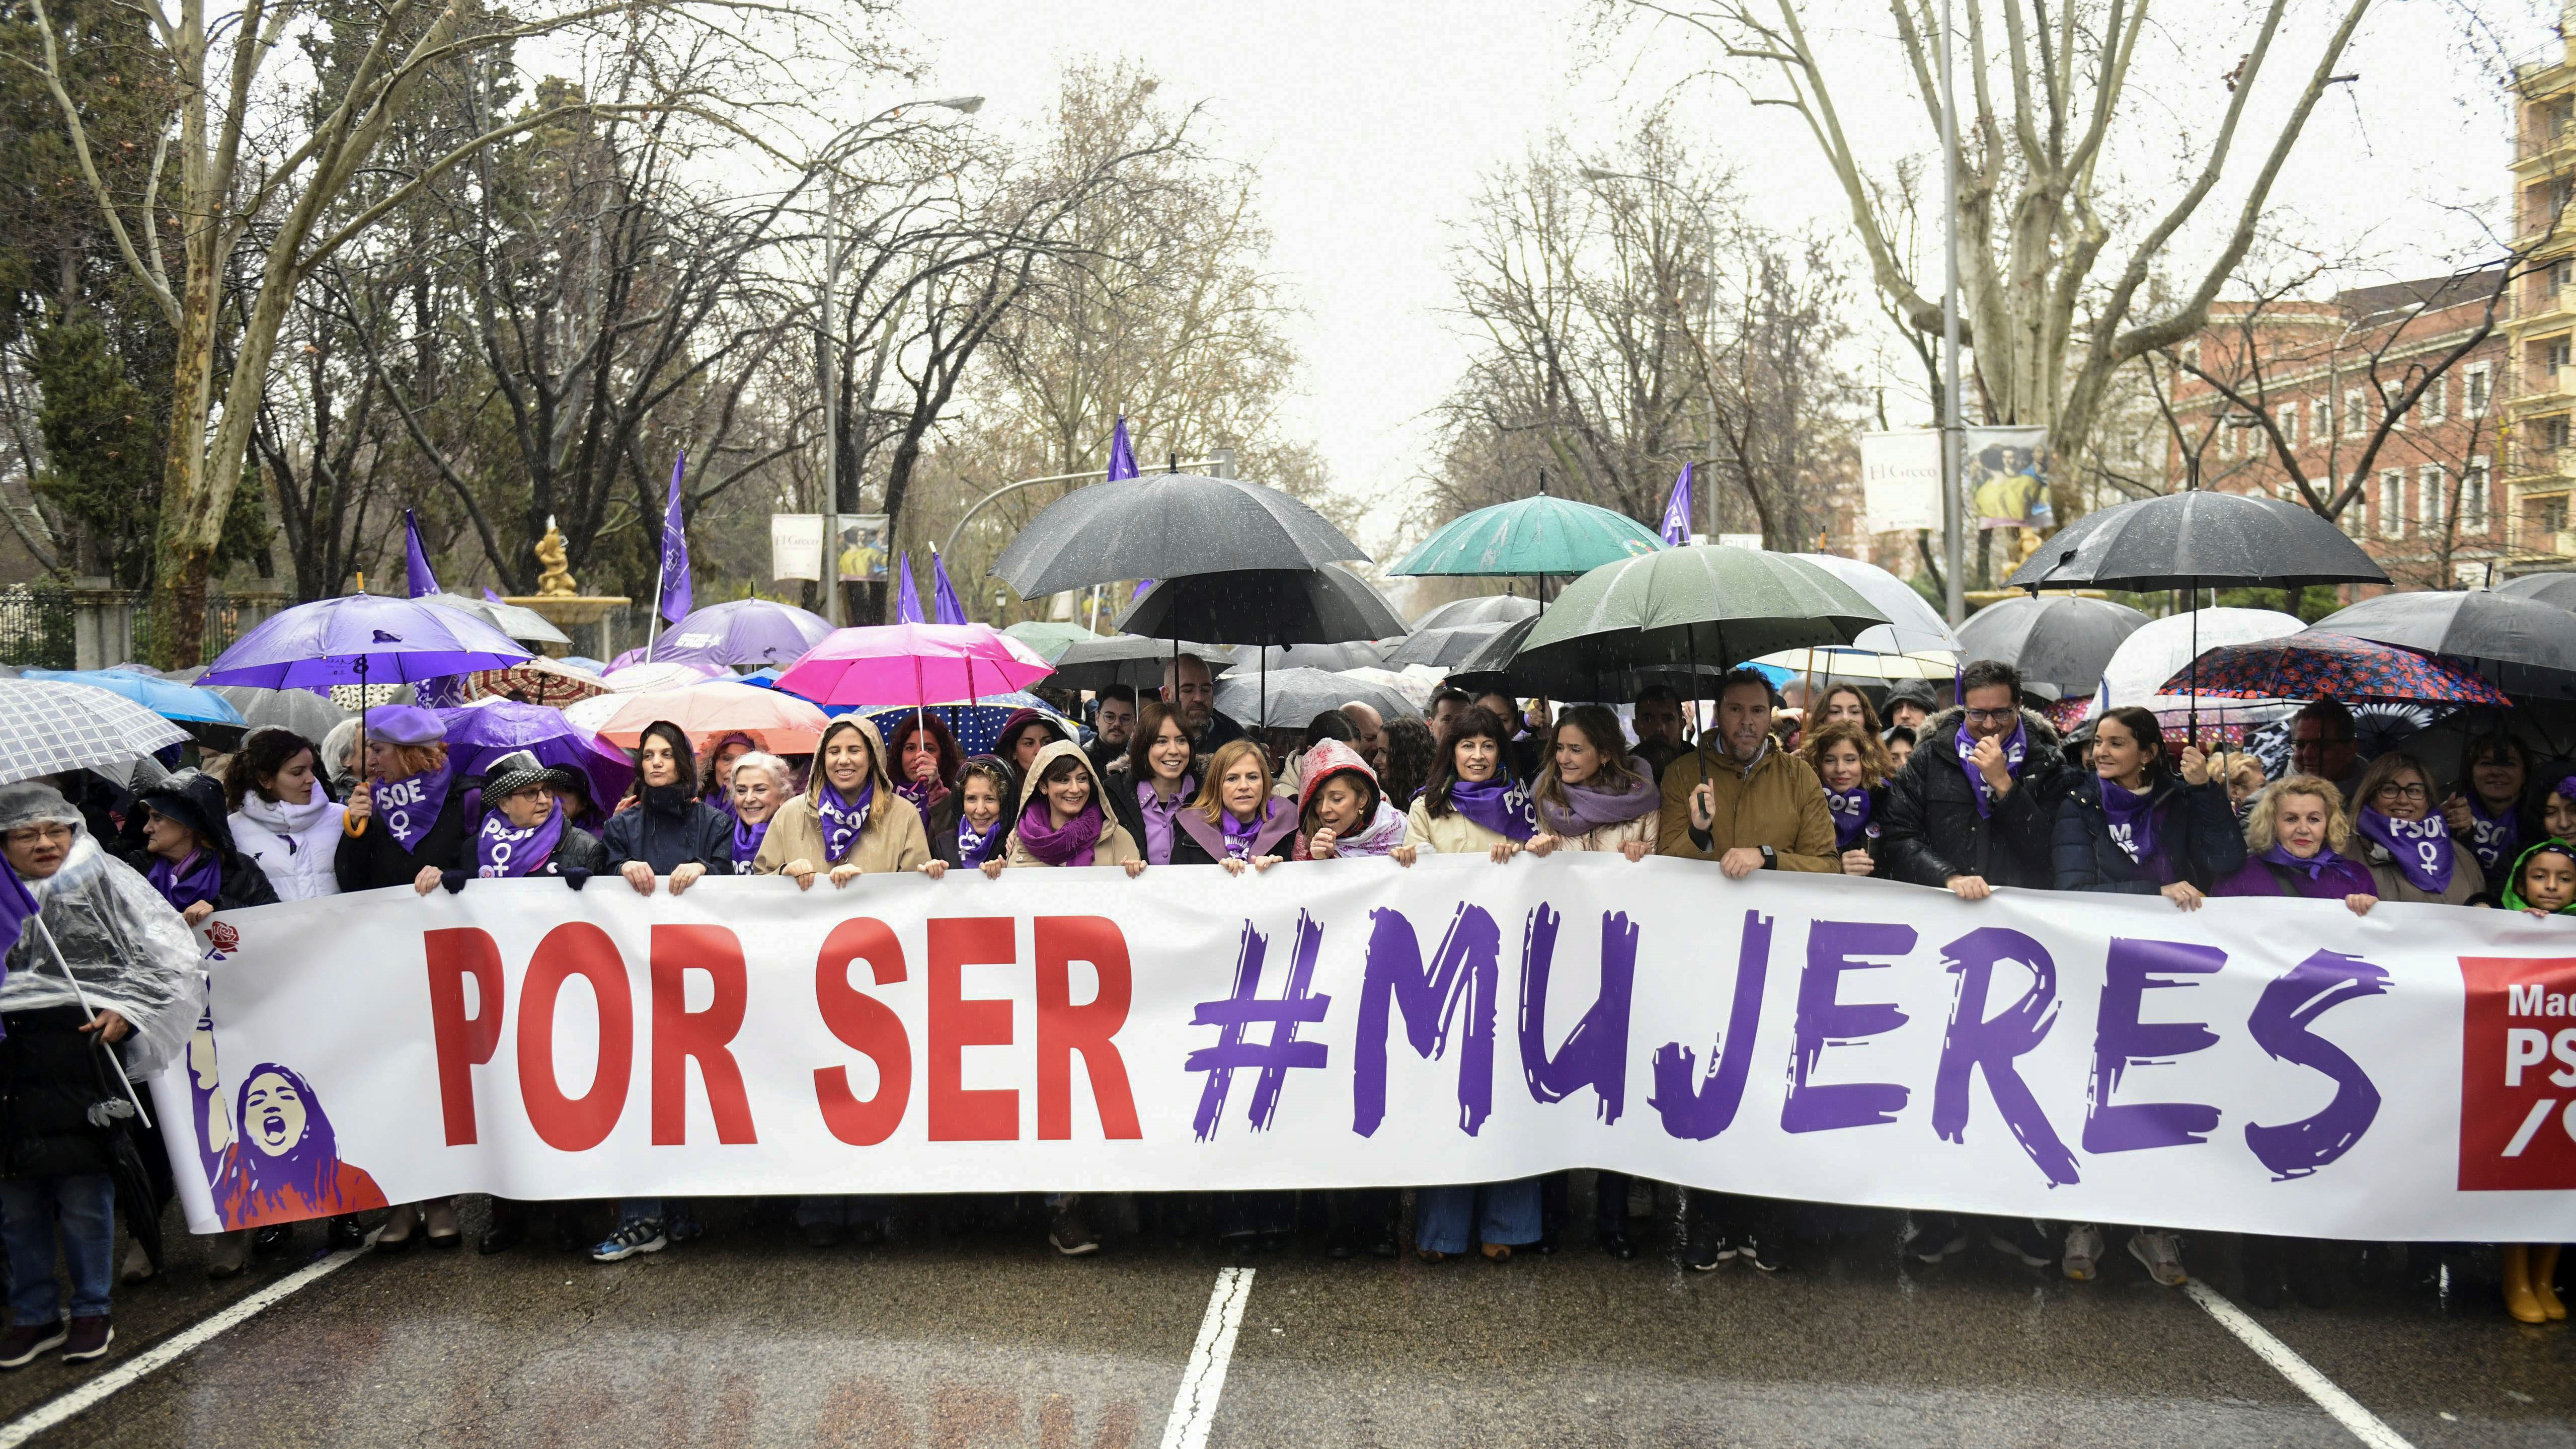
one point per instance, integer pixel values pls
(2518, 1074)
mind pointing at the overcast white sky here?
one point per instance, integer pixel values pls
(1371, 124)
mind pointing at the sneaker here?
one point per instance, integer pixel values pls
(26, 1340)
(686, 1228)
(1704, 1253)
(1770, 1253)
(644, 1236)
(1935, 1239)
(2162, 1255)
(2024, 1241)
(1068, 1232)
(90, 1337)
(2083, 1252)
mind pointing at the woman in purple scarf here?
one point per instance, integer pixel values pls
(1063, 823)
(761, 783)
(2298, 839)
(1236, 821)
(2145, 823)
(188, 852)
(1159, 782)
(1471, 805)
(925, 759)
(2404, 843)
(2490, 811)
(1853, 766)
(973, 824)
(1591, 794)
(722, 756)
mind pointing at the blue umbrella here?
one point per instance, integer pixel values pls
(977, 726)
(172, 701)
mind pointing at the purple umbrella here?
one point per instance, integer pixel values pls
(362, 639)
(480, 733)
(742, 631)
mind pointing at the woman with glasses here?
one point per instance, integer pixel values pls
(2406, 842)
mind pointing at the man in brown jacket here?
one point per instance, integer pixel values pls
(1741, 801)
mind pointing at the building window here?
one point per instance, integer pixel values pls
(2473, 498)
(2289, 421)
(2226, 436)
(2354, 416)
(2553, 432)
(2430, 506)
(2473, 391)
(2435, 404)
(2553, 515)
(2562, 272)
(2322, 418)
(2392, 503)
(2391, 394)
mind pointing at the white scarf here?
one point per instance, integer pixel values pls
(282, 818)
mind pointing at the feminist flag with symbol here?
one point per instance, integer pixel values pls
(677, 597)
(1677, 511)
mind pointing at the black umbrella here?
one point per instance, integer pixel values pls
(1570, 676)
(1130, 659)
(2198, 540)
(2054, 638)
(2524, 646)
(1164, 526)
(2555, 587)
(1327, 605)
(1482, 609)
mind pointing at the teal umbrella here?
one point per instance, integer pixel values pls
(1050, 639)
(1541, 535)
(1692, 607)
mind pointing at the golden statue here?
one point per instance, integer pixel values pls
(556, 580)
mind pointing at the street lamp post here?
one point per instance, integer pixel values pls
(834, 250)
(1953, 435)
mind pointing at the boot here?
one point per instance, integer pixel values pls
(2519, 1300)
(137, 1267)
(228, 1253)
(2544, 1281)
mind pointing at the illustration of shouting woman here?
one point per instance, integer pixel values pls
(284, 1163)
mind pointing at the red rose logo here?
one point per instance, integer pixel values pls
(224, 937)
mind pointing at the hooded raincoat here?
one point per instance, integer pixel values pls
(1384, 830)
(1114, 847)
(892, 838)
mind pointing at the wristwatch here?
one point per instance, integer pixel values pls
(1770, 858)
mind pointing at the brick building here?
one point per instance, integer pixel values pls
(2540, 462)
(2322, 376)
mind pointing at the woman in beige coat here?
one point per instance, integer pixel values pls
(1592, 794)
(2396, 810)
(1066, 821)
(1472, 805)
(849, 821)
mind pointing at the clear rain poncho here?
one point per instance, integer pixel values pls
(131, 952)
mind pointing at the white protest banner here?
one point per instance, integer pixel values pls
(1900, 479)
(2274, 1066)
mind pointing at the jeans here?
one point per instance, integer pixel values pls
(1455, 1219)
(85, 1203)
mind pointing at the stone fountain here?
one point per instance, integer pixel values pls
(589, 618)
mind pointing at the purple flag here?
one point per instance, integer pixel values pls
(1677, 510)
(945, 600)
(676, 593)
(1141, 586)
(17, 908)
(416, 559)
(1122, 457)
(490, 597)
(907, 599)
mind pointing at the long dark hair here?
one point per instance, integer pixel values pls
(1410, 751)
(1477, 721)
(2142, 727)
(265, 753)
(308, 1166)
(951, 758)
(1600, 728)
(684, 758)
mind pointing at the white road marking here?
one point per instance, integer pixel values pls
(169, 1350)
(1194, 1406)
(2347, 1411)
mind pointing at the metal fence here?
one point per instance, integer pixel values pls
(37, 627)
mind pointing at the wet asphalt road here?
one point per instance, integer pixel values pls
(988, 1338)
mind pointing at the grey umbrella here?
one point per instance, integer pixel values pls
(2055, 638)
(2524, 646)
(1327, 605)
(1296, 696)
(2198, 540)
(2555, 587)
(1130, 659)
(1912, 626)
(1482, 609)
(517, 621)
(301, 710)
(1448, 647)
(1164, 526)
(1348, 654)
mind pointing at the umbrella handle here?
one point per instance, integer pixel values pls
(46, 935)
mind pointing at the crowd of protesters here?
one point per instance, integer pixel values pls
(1884, 783)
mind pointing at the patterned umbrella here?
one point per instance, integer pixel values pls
(47, 729)
(2312, 665)
(977, 726)
(539, 681)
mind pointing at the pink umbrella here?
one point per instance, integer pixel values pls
(916, 664)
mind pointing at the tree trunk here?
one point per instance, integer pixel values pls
(180, 563)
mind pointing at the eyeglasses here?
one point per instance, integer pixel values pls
(1991, 716)
(2394, 791)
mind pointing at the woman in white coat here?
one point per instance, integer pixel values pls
(281, 816)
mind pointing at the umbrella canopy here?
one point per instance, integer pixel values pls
(301, 710)
(523, 624)
(1445, 647)
(539, 681)
(2055, 639)
(2162, 648)
(53, 728)
(2555, 587)
(185, 703)
(1696, 605)
(481, 732)
(1295, 696)
(1482, 609)
(1349, 654)
(1572, 676)
(1827, 665)
(778, 722)
(660, 674)
(742, 631)
(1129, 659)
(1325, 605)
(1164, 525)
(978, 726)
(2198, 540)
(1049, 638)
(362, 639)
(2311, 665)
(1913, 626)
(912, 664)
(2525, 646)
(1541, 535)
